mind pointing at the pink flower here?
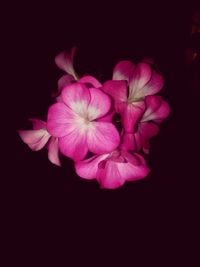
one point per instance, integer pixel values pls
(113, 169)
(156, 111)
(76, 122)
(129, 87)
(37, 138)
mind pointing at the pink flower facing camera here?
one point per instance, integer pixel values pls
(83, 120)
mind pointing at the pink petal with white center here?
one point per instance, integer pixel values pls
(147, 131)
(131, 114)
(109, 176)
(74, 145)
(64, 81)
(93, 82)
(116, 89)
(157, 109)
(61, 120)
(77, 97)
(65, 61)
(53, 151)
(128, 142)
(102, 137)
(38, 124)
(152, 87)
(100, 104)
(140, 78)
(87, 169)
(35, 139)
(123, 70)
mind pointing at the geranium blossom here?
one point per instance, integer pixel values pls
(76, 122)
(129, 88)
(113, 169)
(39, 137)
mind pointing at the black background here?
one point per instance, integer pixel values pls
(153, 220)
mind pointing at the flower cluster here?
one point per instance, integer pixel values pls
(105, 128)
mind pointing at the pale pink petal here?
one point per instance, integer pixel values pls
(53, 151)
(148, 60)
(93, 82)
(109, 176)
(64, 81)
(74, 145)
(128, 142)
(65, 60)
(116, 89)
(147, 131)
(102, 137)
(61, 120)
(100, 104)
(157, 109)
(35, 139)
(140, 78)
(152, 87)
(123, 70)
(131, 114)
(38, 124)
(88, 168)
(134, 169)
(77, 97)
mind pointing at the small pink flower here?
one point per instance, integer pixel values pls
(39, 137)
(113, 169)
(156, 111)
(129, 88)
(76, 122)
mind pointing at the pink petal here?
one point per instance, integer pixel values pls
(116, 89)
(102, 137)
(123, 70)
(77, 97)
(138, 140)
(53, 151)
(128, 142)
(109, 177)
(88, 168)
(108, 117)
(74, 145)
(100, 104)
(131, 114)
(152, 87)
(93, 82)
(61, 120)
(140, 78)
(38, 124)
(147, 131)
(65, 60)
(64, 81)
(35, 139)
(135, 168)
(157, 109)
